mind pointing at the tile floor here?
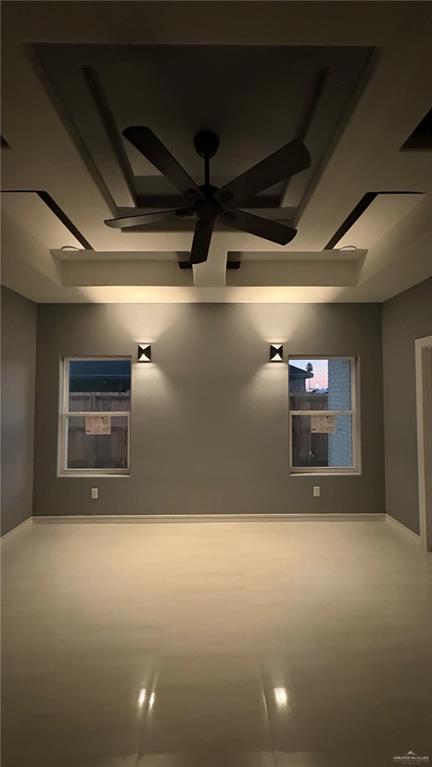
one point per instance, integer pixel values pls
(215, 644)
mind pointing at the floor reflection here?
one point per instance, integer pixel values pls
(250, 644)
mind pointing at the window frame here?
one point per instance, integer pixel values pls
(354, 412)
(65, 414)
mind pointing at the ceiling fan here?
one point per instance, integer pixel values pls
(207, 203)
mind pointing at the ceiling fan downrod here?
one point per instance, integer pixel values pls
(206, 143)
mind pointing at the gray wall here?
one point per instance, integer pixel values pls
(18, 361)
(209, 417)
(406, 317)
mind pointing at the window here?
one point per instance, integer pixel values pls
(323, 415)
(95, 416)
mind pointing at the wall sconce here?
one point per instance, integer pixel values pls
(276, 352)
(144, 352)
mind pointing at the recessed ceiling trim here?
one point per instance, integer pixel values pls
(306, 120)
(338, 271)
(58, 212)
(94, 84)
(91, 272)
(311, 108)
(421, 137)
(358, 211)
(351, 219)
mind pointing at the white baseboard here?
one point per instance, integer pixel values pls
(83, 518)
(9, 533)
(401, 526)
(166, 518)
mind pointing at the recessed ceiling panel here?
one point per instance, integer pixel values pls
(257, 98)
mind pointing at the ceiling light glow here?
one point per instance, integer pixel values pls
(142, 696)
(281, 697)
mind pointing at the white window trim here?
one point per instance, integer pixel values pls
(64, 414)
(319, 471)
(423, 358)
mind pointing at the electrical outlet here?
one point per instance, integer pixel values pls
(95, 493)
(316, 491)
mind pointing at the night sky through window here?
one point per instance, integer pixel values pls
(99, 375)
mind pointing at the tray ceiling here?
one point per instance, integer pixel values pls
(350, 79)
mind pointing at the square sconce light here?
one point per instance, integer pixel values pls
(144, 352)
(276, 352)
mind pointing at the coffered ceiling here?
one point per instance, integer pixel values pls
(350, 79)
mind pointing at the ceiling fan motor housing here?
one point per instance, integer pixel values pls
(206, 202)
(206, 143)
(208, 210)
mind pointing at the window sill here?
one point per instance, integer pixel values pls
(84, 475)
(325, 474)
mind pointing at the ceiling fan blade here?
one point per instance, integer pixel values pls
(201, 241)
(141, 219)
(261, 227)
(286, 162)
(149, 145)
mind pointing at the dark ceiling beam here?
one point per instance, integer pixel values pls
(355, 214)
(58, 212)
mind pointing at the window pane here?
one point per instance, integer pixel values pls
(322, 440)
(320, 384)
(97, 442)
(96, 385)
